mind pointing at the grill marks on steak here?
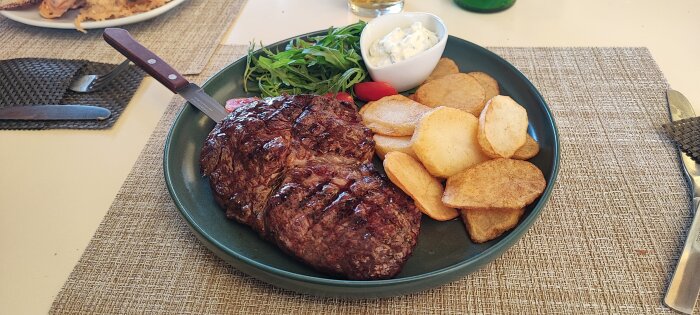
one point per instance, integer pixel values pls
(245, 155)
(333, 131)
(297, 169)
(343, 220)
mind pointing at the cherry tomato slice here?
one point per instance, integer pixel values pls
(341, 96)
(372, 91)
(232, 104)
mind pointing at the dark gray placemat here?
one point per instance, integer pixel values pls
(37, 81)
(686, 133)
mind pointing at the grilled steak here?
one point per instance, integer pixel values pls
(297, 169)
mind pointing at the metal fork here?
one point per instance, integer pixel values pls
(93, 82)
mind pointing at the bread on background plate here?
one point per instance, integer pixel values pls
(15, 4)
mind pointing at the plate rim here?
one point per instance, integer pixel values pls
(55, 24)
(496, 249)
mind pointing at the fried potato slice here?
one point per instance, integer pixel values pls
(528, 150)
(385, 144)
(394, 115)
(484, 225)
(502, 127)
(445, 66)
(426, 191)
(489, 84)
(445, 141)
(458, 90)
(495, 184)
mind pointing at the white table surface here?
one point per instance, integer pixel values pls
(57, 185)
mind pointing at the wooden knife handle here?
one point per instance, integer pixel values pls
(122, 41)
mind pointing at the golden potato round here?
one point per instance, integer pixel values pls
(394, 115)
(445, 66)
(484, 225)
(499, 183)
(426, 191)
(502, 127)
(385, 144)
(528, 150)
(458, 90)
(445, 141)
(489, 84)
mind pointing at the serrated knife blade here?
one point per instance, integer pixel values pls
(145, 59)
(682, 292)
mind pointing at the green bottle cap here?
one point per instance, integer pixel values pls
(485, 5)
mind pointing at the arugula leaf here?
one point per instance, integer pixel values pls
(317, 65)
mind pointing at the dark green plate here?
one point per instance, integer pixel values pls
(444, 252)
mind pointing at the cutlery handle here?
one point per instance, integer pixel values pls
(685, 284)
(122, 41)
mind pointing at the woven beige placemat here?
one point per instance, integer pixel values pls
(185, 37)
(606, 243)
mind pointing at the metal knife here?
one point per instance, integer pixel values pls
(122, 41)
(682, 292)
(54, 112)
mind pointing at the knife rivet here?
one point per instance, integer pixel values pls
(172, 77)
(151, 61)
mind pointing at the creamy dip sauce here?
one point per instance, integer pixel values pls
(401, 44)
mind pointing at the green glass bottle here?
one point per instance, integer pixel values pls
(485, 5)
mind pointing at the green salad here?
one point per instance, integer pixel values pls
(323, 64)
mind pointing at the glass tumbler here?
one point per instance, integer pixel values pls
(374, 8)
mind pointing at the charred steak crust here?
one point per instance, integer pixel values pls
(297, 169)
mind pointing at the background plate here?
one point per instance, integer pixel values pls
(444, 251)
(30, 16)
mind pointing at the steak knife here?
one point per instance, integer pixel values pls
(54, 112)
(683, 289)
(122, 41)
